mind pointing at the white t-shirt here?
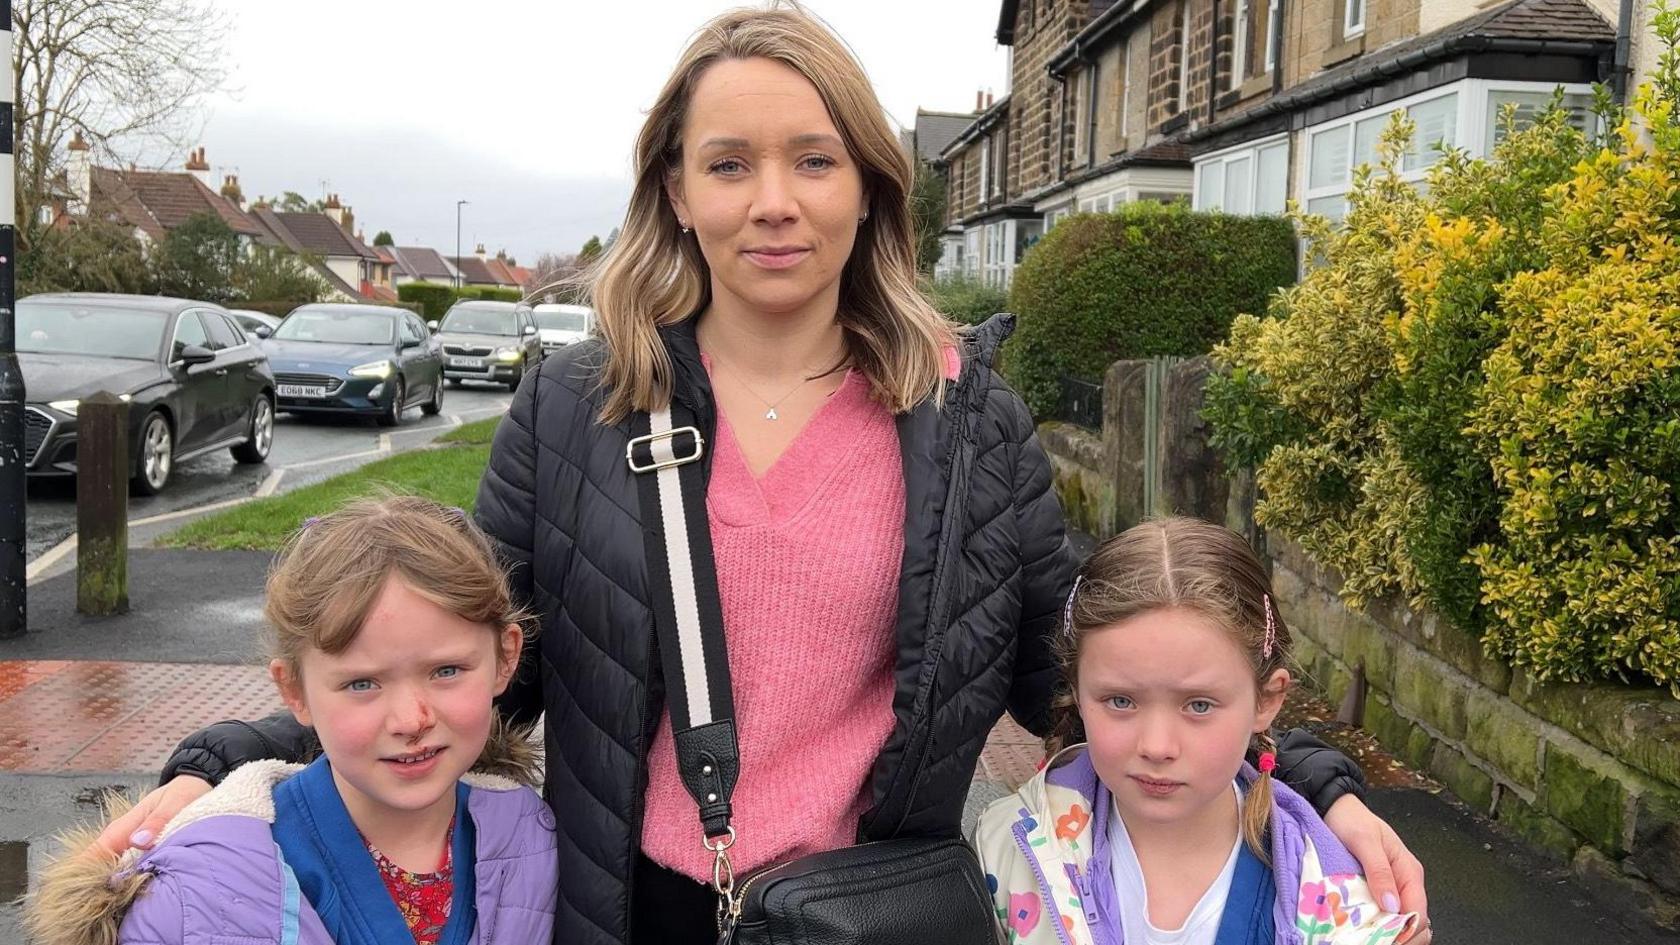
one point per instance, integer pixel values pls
(1200, 927)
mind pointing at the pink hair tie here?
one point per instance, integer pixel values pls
(1268, 762)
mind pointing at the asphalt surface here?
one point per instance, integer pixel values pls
(307, 449)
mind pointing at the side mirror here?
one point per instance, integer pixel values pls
(432, 324)
(262, 331)
(408, 343)
(195, 354)
(530, 330)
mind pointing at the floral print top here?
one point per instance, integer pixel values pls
(1036, 849)
(422, 898)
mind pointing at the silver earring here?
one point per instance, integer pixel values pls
(864, 217)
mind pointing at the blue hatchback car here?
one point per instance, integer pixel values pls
(374, 360)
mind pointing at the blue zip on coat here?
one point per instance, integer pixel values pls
(1247, 919)
(337, 875)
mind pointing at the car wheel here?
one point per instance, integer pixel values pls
(157, 455)
(255, 449)
(454, 382)
(434, 406)
(392, 415)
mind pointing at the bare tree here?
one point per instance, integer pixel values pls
(554, 274)
(126, 74)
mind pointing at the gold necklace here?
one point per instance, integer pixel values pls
(772, 404)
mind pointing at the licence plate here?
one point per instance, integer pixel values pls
(299, 390)
(466, 362)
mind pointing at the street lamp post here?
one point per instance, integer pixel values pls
(458, 205)
(13, 564)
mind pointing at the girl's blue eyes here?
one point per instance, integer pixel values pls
(1196, 706)
(368, 685)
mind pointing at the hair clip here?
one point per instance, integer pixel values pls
(1067, 609)
(1269, 642)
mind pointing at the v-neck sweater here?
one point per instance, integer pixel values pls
(807, 558)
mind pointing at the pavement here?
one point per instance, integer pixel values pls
(90, 704)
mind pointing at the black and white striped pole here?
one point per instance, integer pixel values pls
(13, 563)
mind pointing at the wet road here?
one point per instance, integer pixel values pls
(306, 449)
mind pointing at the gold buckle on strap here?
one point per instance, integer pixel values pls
(652, 439)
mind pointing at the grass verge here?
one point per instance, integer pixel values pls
(449, 475)
(476, 433)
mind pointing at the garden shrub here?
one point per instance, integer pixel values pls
(1473, 397)
(1144, 281)
(970, 301)
(433, 298)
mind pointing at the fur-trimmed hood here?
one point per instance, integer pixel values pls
(83, 895)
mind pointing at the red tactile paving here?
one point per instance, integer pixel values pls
(106, 716)
(1011, 755)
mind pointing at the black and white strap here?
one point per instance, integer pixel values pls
(665, 455)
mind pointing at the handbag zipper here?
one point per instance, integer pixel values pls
(738, 898)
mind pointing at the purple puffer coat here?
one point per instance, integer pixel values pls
(216, 877)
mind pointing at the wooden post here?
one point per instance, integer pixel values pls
(102, 470)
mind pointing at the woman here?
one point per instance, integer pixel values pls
(766, 263)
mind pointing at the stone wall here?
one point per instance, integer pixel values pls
(1587, 772)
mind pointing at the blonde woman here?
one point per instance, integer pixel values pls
(766, 263)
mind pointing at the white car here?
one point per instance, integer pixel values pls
(561, 325)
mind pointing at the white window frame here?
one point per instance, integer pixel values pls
(1125, 94)
(1053, 217)
(1470, 132)
(1271, 33)
(1350, 29)
(1184, 55)
(1249, 151)
(985, 170)
(1239, 48)
(973, 245)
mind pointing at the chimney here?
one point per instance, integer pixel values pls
(988, 98)
(501, 255)
(79, 174)
(479, 252)
(230, 190)
(979, 100)
(199, 167)
(349, 221)
(333, 209)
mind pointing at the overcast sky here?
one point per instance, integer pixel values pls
(526, 109)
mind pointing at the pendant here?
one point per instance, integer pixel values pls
(771, 415)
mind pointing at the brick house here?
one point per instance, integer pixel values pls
(1267, 134)
(150, 203)
(352, 270)
(1241, 105)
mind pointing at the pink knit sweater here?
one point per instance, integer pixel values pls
(807, 560)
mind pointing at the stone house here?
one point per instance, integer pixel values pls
(1242, 105)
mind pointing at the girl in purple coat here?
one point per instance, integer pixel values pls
(393, 631)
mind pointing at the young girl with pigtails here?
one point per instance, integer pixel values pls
(1155, 828)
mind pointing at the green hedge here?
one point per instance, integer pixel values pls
(1145, 281)
(277, 309)
(490, 293)
(433, 298)
(966, 300)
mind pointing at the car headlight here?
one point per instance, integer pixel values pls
(505, 354)
(379, 369)
(69, 406)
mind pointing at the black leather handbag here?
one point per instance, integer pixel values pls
(913, 891)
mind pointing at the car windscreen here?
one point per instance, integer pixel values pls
(106, 331)
(561, 321)
(337, 326)
(482, 320)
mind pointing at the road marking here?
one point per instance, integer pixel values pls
(196, 510)
(49, 558)
(454, 419)
(328, 460)
(384, 442)
(270, 484)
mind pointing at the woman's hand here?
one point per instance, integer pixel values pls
(140, 827)
(1393, 873)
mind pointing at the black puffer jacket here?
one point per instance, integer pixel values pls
(978, 601)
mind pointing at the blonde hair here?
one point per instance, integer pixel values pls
(1177, 563)
(327, 577)
(656, 276)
